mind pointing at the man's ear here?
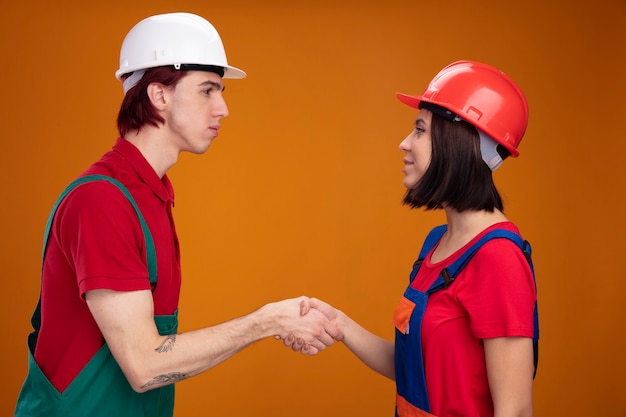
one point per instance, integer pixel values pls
(156, 94)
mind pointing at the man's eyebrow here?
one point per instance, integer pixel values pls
(217, 86)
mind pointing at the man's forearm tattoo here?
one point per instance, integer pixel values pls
(167, 345)
(166, 379)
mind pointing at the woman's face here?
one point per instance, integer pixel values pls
(418, 150)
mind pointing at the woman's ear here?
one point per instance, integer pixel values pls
(156, 94)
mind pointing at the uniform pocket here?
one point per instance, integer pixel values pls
(402, 314)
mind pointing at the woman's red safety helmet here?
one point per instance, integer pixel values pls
(481, 95)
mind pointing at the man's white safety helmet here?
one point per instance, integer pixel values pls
(172, 39)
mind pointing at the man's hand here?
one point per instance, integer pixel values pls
(313, 306)
(329, 311)
(308, 333)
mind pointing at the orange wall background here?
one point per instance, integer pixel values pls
(301, 192)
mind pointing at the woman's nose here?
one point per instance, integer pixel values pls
(405, 145)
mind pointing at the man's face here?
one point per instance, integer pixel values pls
(194, 108)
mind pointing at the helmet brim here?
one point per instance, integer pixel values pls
(229, 71)
(412, 101)
(234, 73)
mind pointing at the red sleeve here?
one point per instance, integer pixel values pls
(499, 291)
(98, 227)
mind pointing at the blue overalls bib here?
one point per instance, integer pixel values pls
(100, 389)
(411, 392)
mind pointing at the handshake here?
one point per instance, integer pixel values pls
(307, 325)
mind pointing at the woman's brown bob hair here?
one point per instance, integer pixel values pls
(457, 177)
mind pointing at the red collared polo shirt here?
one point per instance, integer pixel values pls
(96, 242)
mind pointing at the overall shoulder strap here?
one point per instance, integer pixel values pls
(449, 274)
(431, 240)
(150, 251)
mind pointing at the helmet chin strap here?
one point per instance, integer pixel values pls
(489, 151)
(488, 145)
(132, 80)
